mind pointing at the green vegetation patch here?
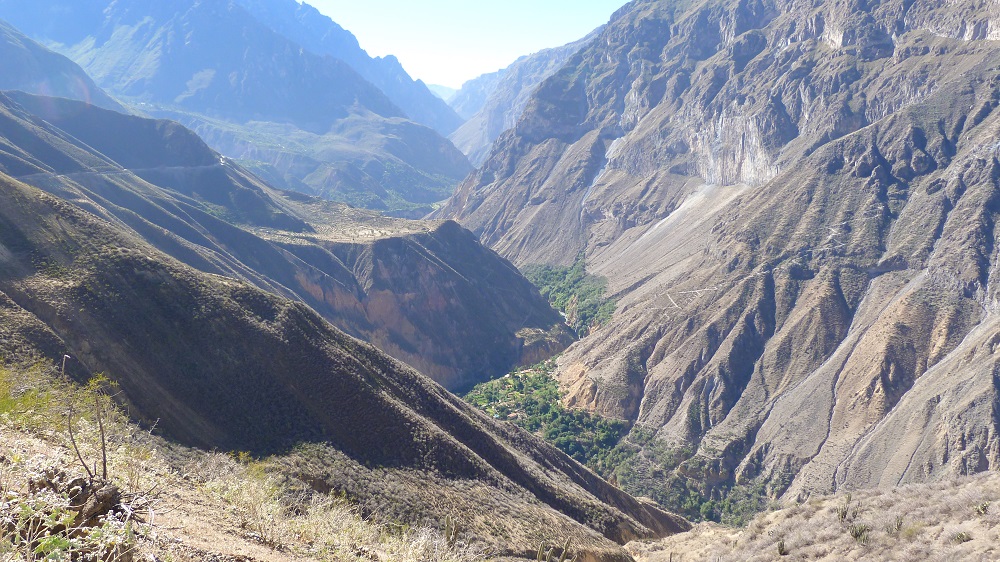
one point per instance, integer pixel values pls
(574, 292)
(31, 399)
(634, 460)
(531, 399)
(644, 466)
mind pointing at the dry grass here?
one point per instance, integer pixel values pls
(317, 526)
(950, 520)
(191, 504)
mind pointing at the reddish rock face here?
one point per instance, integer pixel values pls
(443, 303)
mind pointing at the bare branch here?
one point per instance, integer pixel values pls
(72, 439)
(104, 442)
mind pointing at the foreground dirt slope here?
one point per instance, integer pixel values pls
(795, 205)
(189, 505)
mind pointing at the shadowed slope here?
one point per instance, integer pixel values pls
(28, 66)
(427, 293)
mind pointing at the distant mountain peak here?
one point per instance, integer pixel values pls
(317, 32)
(303, 117)
(28, 66)
(492, 103)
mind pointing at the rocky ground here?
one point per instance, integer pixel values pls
(952, 520)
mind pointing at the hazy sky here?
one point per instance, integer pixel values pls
(447, 42)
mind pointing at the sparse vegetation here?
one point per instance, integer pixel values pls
(895, 526)
(531, 399)
(860, 532)
(646, 467)
(574, 292)
(936, 521)
(843, 510)
(450, 531)
(46, 513)
(549, 554)
(320, 526)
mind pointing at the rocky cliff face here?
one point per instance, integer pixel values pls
(254, 94)
(425, 292)
(794, 205)
(492, 103)
(439, 301)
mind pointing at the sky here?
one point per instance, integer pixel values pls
(447, 42)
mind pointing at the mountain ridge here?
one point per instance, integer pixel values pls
(493, 103)
(309, 122)
(308, 375)
(33, 68)
(348, 264)
(210, 350)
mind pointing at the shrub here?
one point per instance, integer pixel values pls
(574, 292)
(860, 532)
(895, 526)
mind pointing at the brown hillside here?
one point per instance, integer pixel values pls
(426, 292)
(220, 363)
